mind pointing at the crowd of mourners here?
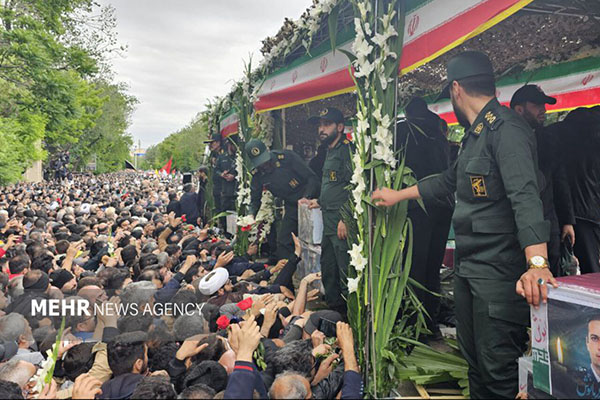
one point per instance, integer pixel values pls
(194, 320)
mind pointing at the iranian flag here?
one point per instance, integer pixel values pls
(432, 27)
(573, 84)
(229, 124)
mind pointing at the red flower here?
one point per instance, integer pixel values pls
(245, 304)
(246, 228)
(223, 322)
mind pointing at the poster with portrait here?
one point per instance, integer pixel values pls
(572, 344)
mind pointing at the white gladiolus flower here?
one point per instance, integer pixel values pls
(362, 126)
(245, 221)
(356, 257)
(353, 284)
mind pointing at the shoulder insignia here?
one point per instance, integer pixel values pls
(277, 164)
(280, 156)
(478, 128)
(492, 120)
(294, 183)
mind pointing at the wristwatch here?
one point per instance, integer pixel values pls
(537, 262)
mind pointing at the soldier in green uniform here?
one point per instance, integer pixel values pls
(225, 168)
(284, 174)
(501, 233)
(215, 150)
(337, 172)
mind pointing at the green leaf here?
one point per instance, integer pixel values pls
(332, 22)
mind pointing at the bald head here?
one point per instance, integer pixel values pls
(290, 385)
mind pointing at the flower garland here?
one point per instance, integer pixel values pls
(265, 216)
(295, 33)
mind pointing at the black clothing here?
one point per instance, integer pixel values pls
(174, 206)
(427, 153)
(189, 207)
(587, 245)
(580, 142)
(201, 204)
(120, 387)
(554, 190)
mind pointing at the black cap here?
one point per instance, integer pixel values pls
(329, 114)
(530, 93)
(215, 137)
(465, 65)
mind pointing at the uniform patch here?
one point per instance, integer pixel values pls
(280, 156)
(478, 186)
(255, 151)
(332, 176)
(478, 128)
(294, 183)
(490, 117)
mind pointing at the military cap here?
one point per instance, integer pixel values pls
(215, 137)
(530, 93)
(329, 114)
(465, 65)
(257, 152)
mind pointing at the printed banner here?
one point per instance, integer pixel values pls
(432, 28)
(566, 343)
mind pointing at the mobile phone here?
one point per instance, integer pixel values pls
(328, 327)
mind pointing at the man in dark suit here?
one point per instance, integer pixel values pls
(189, 204)
(174, 205)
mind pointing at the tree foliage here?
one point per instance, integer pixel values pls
(107, 141)
(50, 97)
(185, 146)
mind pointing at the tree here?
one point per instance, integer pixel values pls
(108, 138)
(185, 146)
(50, 52)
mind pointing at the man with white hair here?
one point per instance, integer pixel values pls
(17, 371)
(14, 327)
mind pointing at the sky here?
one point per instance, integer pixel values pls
(182, 53)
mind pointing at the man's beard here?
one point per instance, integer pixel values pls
(460, 116)
(532, 120)
(329, 139)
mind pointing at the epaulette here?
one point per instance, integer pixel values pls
(492, 120)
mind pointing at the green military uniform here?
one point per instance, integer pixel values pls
(288, 178)
(217, 181)
(226, 162)
(498, 213)
(337, 172)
